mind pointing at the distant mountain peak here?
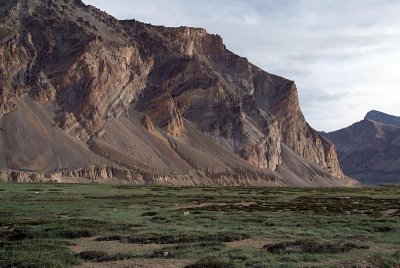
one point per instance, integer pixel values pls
(383, 118)
(369, 150)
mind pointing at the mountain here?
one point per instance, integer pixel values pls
(87, 97)
(383, 118)
(370, 149)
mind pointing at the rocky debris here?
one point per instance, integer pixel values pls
(369, 150)
(174, 126)
(43, 91)
(68, 123)
(95, 174)
(121, 175)
(215, 118)
(148, 123)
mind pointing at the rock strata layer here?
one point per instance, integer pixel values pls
(84, 95)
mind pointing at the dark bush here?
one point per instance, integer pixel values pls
(97, 256)
(110, 238)
(100, 256)
(210, 262)
(382, 229)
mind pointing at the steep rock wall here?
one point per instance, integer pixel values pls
(89, 70)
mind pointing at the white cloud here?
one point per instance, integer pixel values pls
(344, 55)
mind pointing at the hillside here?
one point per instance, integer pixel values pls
(370, 149)
(86, 97)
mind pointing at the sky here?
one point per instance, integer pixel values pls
(344, 55)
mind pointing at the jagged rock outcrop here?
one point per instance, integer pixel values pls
(369, 150)
(148, 123)
(171, 105)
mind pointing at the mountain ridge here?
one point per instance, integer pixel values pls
(369, 150)
(129, 100)
(383, 118)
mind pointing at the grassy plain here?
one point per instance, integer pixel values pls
(52, 225)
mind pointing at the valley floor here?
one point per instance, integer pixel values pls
(54, 225)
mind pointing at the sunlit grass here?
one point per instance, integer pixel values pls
(39, 223)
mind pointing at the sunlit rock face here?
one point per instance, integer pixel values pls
(86, 95)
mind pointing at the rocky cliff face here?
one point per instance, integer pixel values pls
(370, 149)
(148, 100)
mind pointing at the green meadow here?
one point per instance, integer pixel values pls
(54, 225)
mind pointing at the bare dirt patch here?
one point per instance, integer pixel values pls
(248, 243)
(389, 212)
(311, 247)
(369, 262)
(140, 263)
(221, 204)
(110, 247)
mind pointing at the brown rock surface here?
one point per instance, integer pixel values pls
(82, 92)
(370, 149)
